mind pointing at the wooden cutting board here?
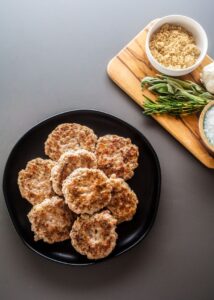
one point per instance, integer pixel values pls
(127, 69)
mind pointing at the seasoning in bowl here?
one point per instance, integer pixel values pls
(209, 125)
(174, 47)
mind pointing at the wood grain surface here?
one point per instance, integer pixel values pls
(127, 69)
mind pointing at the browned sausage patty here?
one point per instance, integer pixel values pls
(87, 190)
(69, 136)
(94, 236)
(34, 181)
(123, 202)
(68, 162)
(51, 220)
(117, 155)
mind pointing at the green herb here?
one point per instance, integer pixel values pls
(175, 96)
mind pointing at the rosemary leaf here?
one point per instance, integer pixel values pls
(175, 96)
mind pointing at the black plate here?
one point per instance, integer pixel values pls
(146, 184)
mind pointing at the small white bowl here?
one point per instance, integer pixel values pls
(204, 138)
(193, 27)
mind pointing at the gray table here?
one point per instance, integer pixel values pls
(53, 57)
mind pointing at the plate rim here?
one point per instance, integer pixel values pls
(157, 196)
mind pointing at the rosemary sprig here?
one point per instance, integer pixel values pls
(175, 96)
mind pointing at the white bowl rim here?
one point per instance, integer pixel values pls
(203, 51)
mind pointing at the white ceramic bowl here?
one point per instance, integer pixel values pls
(192, 26)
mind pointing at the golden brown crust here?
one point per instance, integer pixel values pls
(69, 136)
(117, 155)
(87, 190)
(94, 236)
(68, 162)
(34, 181)
(123, 202)
(51, 220)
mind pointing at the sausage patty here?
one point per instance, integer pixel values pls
(94, 236)
(69, 136)
(87, 190)
(117, 155)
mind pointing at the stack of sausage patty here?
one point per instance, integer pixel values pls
(80, 192)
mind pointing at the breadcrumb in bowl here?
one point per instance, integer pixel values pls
(171, 52)
(174, 47)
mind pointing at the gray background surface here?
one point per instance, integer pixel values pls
(53, 57)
